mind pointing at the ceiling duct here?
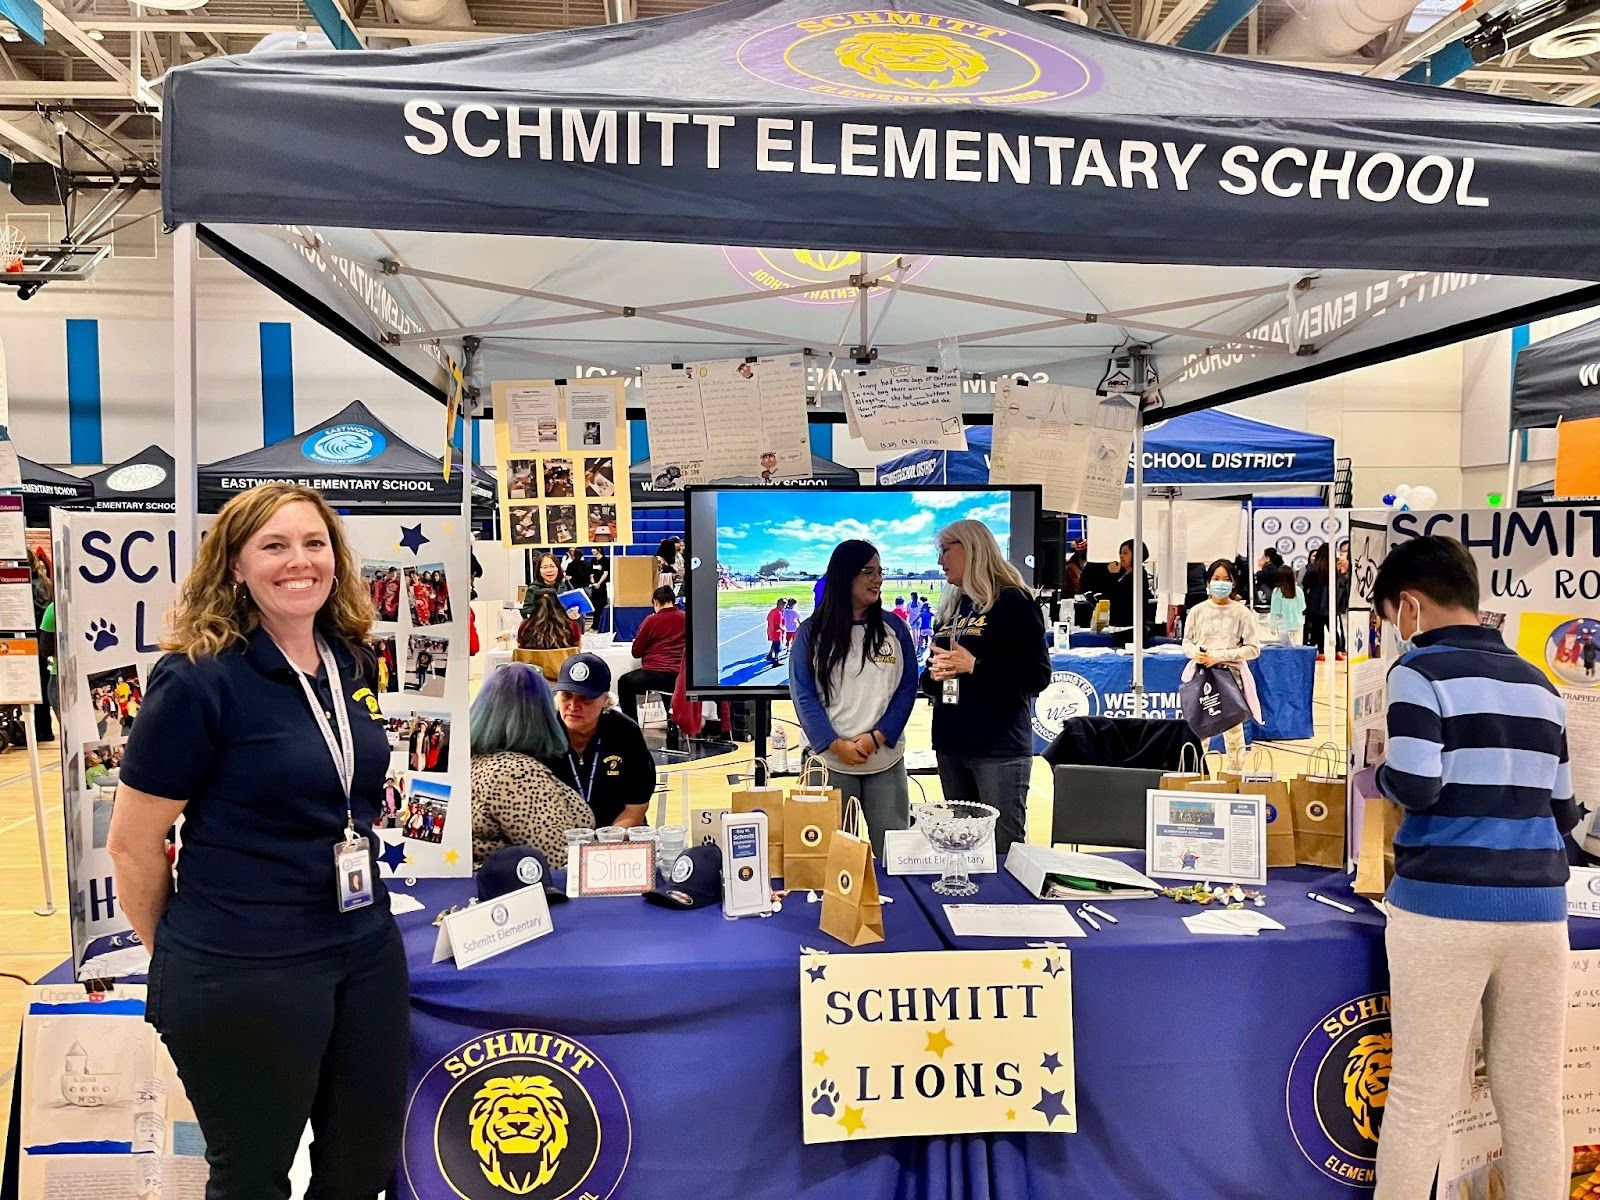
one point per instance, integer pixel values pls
(1070, 13)
(1334, 28)
(1578, 40)
(447, 14)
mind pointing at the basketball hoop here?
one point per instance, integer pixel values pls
(13, 245)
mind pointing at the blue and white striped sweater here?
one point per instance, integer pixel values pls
(1477, 755)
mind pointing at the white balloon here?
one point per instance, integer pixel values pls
(1423, 497)
(1402, 490)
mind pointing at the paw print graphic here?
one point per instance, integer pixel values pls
(825, 1098)
(102, 634)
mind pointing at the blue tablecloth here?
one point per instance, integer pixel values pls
(1092, 685)
(1198, 1058)
(695, 1017)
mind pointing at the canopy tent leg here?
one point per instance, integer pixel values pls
(1511, 472)
(49, 907)
(185, 394)
(1138, 539)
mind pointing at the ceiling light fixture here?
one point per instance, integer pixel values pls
(172, 5)
(96, 36)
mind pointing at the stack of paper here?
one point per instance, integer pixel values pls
(1011, 920)
(1234, 922)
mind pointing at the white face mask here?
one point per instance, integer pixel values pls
(1407, 644)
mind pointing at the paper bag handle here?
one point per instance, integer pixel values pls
(854, 819)
(1190, 752)
(1327, 753)
(1256, 751)
(1205, 761)
(814, 763)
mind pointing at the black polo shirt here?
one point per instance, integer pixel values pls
(234, 737)
(624, 771)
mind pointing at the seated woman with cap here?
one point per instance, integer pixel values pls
(516, 799)
(603, 754)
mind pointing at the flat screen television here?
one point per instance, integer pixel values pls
(749, 547)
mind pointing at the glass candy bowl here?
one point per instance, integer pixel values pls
(955, 828)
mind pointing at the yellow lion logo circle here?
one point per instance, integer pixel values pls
(827, 261)
(924, 61)
(1366, 1080)
(522, 1116)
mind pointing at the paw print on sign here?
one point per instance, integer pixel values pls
(825, 1098)
(102, 634)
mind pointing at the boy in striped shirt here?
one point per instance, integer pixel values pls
(1477, 755)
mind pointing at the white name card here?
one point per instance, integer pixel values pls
(906, 852)
(492, 927)
(1583, 892)
(616, 868)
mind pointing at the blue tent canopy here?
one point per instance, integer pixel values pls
(1208, 447)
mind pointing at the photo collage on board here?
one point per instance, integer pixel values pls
(420, 614)
(564, 467)
(115, 694)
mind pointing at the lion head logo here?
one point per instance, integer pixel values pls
(519, 1130)
(827, 261)
(1366, 1081)
(922, 61)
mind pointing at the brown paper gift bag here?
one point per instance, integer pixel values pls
(1375, 864)
(1177, 781)
(1281, 850)
(810, 816)
(770, 801)
(1320, 801)
(851, 909)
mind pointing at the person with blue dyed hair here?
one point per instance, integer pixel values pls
(1477, 756)
(516, 799)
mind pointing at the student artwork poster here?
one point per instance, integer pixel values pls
(1539, 577)
(422, 670)
(558, 445)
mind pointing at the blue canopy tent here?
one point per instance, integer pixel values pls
(1208, 453)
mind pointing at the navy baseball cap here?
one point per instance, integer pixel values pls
(513, 867)
(695, 882)
(584, 675)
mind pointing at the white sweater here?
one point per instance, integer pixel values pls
(1227, 632)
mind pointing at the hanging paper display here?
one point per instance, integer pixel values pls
(906, 408)
(732, 418)
(1072, 441)
(562, 448)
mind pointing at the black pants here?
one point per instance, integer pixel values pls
(636, 683)
(262, 1048)
(1317, 631)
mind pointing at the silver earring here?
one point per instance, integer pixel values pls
(241, 595)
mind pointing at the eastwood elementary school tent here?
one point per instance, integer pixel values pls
(353, 459)
(1555, 380)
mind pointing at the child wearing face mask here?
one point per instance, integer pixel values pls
(1478, 758)
(1222, 632)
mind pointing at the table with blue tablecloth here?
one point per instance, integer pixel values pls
(1096, 683)
(1210, 1068)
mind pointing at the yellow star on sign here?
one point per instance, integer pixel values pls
(450, 857)
(1027, 964)
(853, 1121)
(1011, 1114)
(820, 1058)
(938, 1043)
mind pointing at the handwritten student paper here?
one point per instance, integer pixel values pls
(907, 408)
(1072, 441)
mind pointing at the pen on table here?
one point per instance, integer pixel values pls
(1329, 903)
(1084, 913)
(1102, 914)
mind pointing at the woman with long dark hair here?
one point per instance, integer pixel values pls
(853, 680)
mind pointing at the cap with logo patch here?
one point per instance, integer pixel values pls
(513, 867)
(585, 675)
(694, 882)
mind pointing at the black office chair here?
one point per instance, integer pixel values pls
(1101, 806)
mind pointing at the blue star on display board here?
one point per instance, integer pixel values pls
(816, 972)
(394, 854)
(411, 538)
(1050, 1105)
(1052, 1062)
(1053, 967)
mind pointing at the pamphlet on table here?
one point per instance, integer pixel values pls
(1216, 837)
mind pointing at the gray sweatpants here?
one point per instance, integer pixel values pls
(1440, 972)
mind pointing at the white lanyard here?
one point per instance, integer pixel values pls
(341, 750)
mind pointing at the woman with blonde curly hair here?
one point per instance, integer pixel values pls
(275, 961)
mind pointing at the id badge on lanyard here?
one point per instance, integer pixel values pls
(352, 862)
